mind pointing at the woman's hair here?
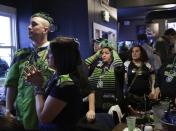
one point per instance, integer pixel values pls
(143, 56)
(66, 54)
(67, 60)
(107, 47)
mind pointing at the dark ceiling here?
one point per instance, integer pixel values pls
(132, 9)
(141, 12)
(133, 13)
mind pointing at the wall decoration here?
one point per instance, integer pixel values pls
(101, 31)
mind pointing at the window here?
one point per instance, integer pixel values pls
(8, 39)
(171, 25)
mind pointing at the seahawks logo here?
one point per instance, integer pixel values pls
(169, 79)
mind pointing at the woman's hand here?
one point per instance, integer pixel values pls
(152, 95)
(135, 112)
(155, 94)
(33, 76)
(90, 115)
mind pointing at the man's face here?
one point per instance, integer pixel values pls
(37, 28)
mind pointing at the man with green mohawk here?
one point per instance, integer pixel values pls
(19, 92)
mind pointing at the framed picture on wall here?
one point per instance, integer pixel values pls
(101, 31)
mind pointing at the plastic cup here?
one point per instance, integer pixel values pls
(131, 122)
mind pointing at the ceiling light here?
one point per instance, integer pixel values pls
(168, 6)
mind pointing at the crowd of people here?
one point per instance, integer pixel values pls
(45, 84)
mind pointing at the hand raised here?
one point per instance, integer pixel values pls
(33, 76)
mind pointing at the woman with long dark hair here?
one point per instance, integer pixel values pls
(61, 109)
(140, 79)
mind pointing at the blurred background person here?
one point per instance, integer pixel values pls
(3, 67)
(166, 80)
(154, 58)
(123, 52)
(3, 71)
(165, 45)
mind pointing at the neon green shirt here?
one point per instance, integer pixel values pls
(25, 100)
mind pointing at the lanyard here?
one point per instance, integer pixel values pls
(100, 82)
(32, 59)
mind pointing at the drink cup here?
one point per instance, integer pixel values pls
(131, 122)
